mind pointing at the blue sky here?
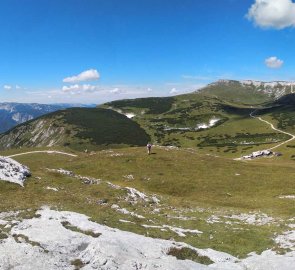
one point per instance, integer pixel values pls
(139, 47)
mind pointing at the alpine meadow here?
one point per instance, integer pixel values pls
(147, 134)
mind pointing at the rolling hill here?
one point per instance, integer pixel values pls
(13, 114)
(77, 128)
(216, 118)
(248, 91)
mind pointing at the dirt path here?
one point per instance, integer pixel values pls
(272, 126)
(47, 152)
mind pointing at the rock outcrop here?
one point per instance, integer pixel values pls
(12, 171)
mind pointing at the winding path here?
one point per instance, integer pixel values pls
(47, 152)
(272, 126)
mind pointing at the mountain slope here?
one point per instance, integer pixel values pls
(215, 119)
(248, 92)
(13, 114)
(78, 128)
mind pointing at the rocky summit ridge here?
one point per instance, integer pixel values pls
(274, 88)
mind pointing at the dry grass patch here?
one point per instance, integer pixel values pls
(185, 253)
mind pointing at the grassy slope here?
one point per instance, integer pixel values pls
(188, 184)
(234, 92)
(77, 128)
(105, 128)
(235, 134)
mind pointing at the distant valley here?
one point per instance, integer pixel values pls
(13, 114)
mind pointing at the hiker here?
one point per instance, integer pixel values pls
(149, 148)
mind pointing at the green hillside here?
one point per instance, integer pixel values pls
(154, 105)
(248, 92)
(215, 120)
(77, 128)
(186, 123)
(233, 91)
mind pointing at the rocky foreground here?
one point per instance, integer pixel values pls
(67, 240)
(12, 171)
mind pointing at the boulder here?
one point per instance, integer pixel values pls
(12, 171)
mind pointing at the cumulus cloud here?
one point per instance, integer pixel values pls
(87, 75)
(173, 91)
(7, 87)
(116, 91)
(273, 62)
(277, 14)
(79, 88)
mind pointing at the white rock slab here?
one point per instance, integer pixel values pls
(12, 171)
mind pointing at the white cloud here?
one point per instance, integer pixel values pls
(116, 91)
(97, 93)
(80, 88)
(7, 87)
(273, 62)
(277, 14)
(149, 90)
(173, 91)
(87, 75)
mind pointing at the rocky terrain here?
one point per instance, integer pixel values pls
(12, 171)
(274, 89)
(55, 239)
(68, 240)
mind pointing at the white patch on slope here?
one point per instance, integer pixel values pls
(287, 239)
(130, 115)
(269, 260)
(52, 188)
(134, 196)
(125, 211)
(258, 219)
(179, 231)
(12, 171)
(212, 122)
(290, 197)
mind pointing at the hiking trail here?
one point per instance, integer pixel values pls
(274, 128)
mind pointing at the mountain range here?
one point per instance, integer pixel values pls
(214, 119)
(12, 114)
(78, 128)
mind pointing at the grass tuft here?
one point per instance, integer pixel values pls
(68, 226)
(189, 254)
